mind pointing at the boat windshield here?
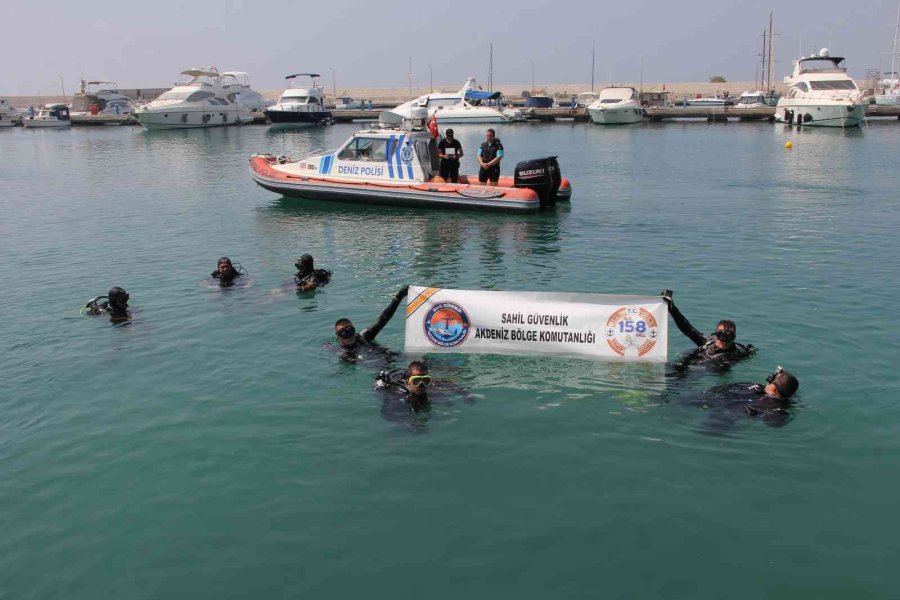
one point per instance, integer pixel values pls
(610, 100)
(362, 148)
(837, 84)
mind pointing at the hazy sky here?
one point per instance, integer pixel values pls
(146, 43)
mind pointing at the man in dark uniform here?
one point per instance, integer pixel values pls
(769, 401)
(489, 155)
(718, 348)
(450, 151)
(346, 332)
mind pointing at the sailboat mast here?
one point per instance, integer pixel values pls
(894, 53)
(769, 64)
(761, 65)
(592, 66)
(491, 70)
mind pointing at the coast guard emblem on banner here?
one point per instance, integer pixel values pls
(446, 324)
(631, 331)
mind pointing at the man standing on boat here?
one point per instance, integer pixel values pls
(489, 155)
(450, 151)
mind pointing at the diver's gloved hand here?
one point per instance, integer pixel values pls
(402, 293)
(667, 296)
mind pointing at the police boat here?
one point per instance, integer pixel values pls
(397, 164)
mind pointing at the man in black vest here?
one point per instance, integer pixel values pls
(450, 151)
(489, 155)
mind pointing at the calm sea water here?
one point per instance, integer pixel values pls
(217, 448)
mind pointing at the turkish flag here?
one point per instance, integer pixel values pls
(433, 126)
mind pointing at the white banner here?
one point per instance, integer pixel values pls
(603, 326)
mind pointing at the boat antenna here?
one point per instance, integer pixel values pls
(410, 76)
(641, 90)
(63, 86)
(592, 65)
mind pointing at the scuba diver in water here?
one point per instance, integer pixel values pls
(307, 276)
(116, 305)
(412, 382)
(769, 401)
(718, 349)
(351, 341)
(225, 272)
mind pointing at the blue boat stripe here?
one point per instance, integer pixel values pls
(399, 160)
(390, 157)
(326, 164)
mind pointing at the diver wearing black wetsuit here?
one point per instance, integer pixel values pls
(116, 305)
(769, 401)
(346, 332)
(225, 272)
(719, 348)
(307, 276)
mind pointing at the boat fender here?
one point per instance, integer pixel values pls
(206, 118)
(788, 117)
(799, 118)
(281, 159)
(224, 117)
(183, 117)
(807, 118)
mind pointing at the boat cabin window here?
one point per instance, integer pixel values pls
(610, 100)
(199, 95)
(801, 85)
(838, 84)
(367, 149)
(174, 96)
(439, 103)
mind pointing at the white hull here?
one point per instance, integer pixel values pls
(34, 123)
(887, 100)
(706, 102)
(822, 114)
(5, 122)
(620, 115)
(195, 118)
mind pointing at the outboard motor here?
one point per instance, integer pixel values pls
(541, 175)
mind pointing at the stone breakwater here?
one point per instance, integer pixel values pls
(398, 95)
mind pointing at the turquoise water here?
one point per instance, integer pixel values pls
(216, 447)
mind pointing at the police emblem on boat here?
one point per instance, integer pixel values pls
(446, 324)
(406, 155)
(632, 331)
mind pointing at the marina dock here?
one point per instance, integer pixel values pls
(708, 113)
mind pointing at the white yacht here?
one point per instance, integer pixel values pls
(9, 116)
(248, 97)
(754, 99)
(616, 105)
(890, 87)
(300, 106)
(820, 93)
(717, 100)
(204, 101)
(464, 106)
(53, 115)
(101, 97)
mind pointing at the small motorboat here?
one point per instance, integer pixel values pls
(398, 165)
(9, 116)
(616, 105)
(300, 106)
(101, 98)
(54, 115)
